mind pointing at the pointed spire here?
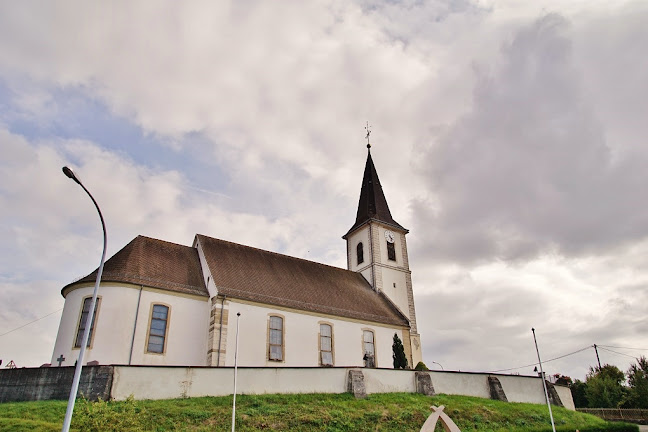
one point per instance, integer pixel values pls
(372, 204)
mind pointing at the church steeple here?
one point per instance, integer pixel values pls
(377, 249)
(372, 204)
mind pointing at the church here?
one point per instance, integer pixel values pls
(162, 303)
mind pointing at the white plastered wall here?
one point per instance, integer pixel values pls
(361, 235)
(186, 342)
(166, 383)
(301, 333)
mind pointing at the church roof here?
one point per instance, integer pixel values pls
(257, 275)
(154, 263)
(372, 204)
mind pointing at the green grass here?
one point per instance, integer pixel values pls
(303, 412)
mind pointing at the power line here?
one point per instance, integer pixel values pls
(612, 346)
(616, 352)
(546, 361)
(31, 322)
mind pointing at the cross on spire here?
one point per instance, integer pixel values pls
(368, 129)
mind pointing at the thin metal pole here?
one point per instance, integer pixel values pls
(238, 315)
(544, 384)
(86, 333)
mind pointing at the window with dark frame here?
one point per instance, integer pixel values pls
(360, 253)
(83, 320)
(276, 338)
(391, 251)
(326, 345)
(157, 329)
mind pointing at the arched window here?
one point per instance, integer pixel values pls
(369, 348)
(276, 338)
(83, 320)
(360, 253)
(158, 329)
(391, 251)
(326, 345)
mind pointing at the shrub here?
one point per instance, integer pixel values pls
(420, 366)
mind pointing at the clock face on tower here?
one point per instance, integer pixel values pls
(389, 236)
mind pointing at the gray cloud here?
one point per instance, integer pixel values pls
(527, 161)
(529, 170)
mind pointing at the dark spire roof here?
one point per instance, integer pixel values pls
(372, 204)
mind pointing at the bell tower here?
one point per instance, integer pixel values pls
(377, 248)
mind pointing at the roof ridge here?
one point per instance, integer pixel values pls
(162, 241)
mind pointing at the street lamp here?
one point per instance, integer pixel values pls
(544, 384)
(438, 364)
(86, 333)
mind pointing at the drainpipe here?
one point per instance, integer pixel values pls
(220, 331)
(139, 297)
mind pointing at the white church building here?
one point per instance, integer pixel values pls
(167, 304)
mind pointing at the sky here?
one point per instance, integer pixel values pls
(509, 137)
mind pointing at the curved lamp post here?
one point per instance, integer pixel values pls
(86, 333)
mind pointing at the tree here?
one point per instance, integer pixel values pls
(605, 387)
(579, 394)
(398, 353)
(637, 396)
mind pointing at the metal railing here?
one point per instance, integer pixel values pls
(618, 414)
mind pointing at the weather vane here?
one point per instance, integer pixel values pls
(367, 128)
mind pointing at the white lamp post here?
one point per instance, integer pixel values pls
(544, 384)
(238, 316)
(86, 333)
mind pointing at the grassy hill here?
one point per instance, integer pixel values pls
(304, 412)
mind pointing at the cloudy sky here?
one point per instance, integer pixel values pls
(509, 137)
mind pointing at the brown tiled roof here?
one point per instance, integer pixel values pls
(372, 204)
(257, 275)
(154, 263)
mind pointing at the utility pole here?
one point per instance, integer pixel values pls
(597, 356)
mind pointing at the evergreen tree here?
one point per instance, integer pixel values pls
(398, 353)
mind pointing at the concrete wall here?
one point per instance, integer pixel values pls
(147, 383)
(30, 384)
(160, 382)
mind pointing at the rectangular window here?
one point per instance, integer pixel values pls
(326, 345)
(391, 251)
(369, 349)
(158, 328)
(368, 338)
(83, 320)
(276, 338)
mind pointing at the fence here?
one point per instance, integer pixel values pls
(618, 414)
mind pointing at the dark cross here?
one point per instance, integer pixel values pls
(367, 128)
(60, 360)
